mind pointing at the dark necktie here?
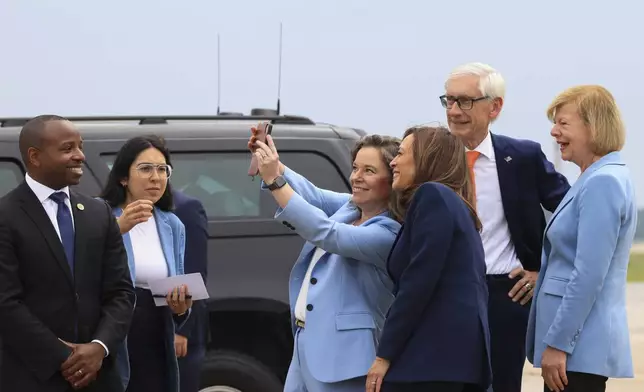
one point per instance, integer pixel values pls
(65, 226)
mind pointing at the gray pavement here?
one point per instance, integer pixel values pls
(532, 381)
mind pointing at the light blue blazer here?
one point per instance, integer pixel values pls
(579, 303)
(353, 290)
(173, 241)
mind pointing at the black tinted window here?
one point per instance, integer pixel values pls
(220, 181)
(11, 176)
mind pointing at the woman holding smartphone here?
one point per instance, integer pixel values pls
(339, 288)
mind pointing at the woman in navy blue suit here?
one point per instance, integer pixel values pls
(435, 337)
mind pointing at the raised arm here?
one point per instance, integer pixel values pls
(431, 227)
(327, 201)
(552, 185)
(370, 244)
(601, 207)
(22, 332)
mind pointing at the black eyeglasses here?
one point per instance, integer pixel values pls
(464, 103)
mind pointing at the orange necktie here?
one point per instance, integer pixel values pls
(472, 156)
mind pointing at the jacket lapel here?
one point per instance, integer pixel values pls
(34, 209)
(82, 223)
(609, 159)
(506, 172)
(165, 237)
(566, 200)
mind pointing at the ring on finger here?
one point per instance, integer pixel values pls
(528, 286)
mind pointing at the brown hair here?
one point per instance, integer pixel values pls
(388, 147)
(439, 156)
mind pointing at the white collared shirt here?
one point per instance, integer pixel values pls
(43, 192)
(500, 255)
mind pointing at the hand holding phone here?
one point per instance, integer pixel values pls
(258, 133)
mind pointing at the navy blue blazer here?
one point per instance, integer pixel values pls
(193, 216)
(437, 327)
(528, 181)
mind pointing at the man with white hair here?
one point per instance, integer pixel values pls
(512, 181)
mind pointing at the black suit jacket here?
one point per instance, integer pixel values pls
(529, 184)
(437, 327)
(193, 216)
(41, 301)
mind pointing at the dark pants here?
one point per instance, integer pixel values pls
(432, 386)
(190, 368)
(146, 346)
(508, 325)
(583, 382)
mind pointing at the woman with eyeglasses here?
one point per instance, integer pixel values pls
(139, 193)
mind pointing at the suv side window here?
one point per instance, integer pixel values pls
(11, 175)
(220, 181)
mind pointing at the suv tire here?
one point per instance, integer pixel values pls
(238, 371)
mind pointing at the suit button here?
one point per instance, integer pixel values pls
(285, 223)
(314, 281)
(309, 307)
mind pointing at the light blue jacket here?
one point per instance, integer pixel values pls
(353, 291)
(173, 240)
(579, 303)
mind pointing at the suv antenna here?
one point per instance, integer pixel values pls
(279, 73)
(218, 75)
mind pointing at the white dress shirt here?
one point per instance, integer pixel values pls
(43, 192)
(500, 256)
(300, 304)
(149, 260)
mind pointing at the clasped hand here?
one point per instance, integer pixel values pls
(82, 366)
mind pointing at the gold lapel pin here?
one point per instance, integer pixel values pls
(80, 206)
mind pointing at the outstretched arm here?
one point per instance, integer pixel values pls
(370, 244)
(327, 201)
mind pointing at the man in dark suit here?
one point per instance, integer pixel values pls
(513, 180)
(190, 339)
(66, 296)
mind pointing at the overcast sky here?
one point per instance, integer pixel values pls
(362, 63)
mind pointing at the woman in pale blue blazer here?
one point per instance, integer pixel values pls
(578, 331)
(339, 288)
(139, 193)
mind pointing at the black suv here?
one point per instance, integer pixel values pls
(249, 253)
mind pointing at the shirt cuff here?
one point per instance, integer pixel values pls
(107, 352)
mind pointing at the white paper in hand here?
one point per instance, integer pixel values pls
(193, 282)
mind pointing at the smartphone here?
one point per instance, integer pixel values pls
(263, 129)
